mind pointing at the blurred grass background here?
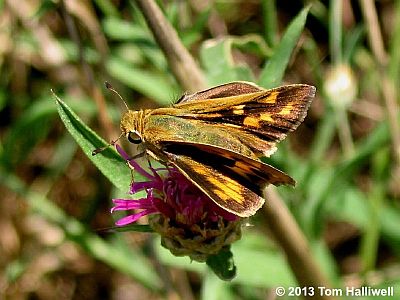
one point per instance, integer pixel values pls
(345, 157)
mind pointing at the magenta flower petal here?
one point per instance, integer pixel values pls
(127, 204)
(133, 218)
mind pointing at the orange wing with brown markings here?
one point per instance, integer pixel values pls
(260, 119)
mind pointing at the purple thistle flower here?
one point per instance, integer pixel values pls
(171, 194)
(189, 222)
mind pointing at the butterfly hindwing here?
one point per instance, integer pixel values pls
(225, 191)
(235, 182)
(252, 170)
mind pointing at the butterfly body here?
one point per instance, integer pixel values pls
(215, 138)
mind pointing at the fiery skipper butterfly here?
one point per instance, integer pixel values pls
(215, 138)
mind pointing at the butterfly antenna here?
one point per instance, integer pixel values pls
(110, 87)
(101, 149)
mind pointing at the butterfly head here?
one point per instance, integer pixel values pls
(132, 126)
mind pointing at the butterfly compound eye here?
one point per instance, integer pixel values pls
(134, 138)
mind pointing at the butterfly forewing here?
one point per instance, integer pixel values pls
(259, 119)
(225, 90)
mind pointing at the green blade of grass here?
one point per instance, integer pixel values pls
(270, 21)
(274, 69)
(152, 84)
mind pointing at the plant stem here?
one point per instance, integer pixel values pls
(335, 31)
(182, 64)
(293, 242)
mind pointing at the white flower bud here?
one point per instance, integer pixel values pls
(340, 86)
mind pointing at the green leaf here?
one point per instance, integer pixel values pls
(390, 224)
(123, 30)
(344, 202)
(152, 84)
(215, 289)
(272, 268)
(109, 162)
(217, 58)
(72, 52)
(3, 99)
(183, 262)
(274, 69)
(107, 8)
(15, 269)
(222, 264)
